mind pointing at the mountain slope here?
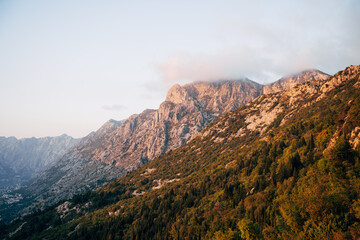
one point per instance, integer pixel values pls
(285, 165)
(21, 159)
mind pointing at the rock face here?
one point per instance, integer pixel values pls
(21, 159)
(293, 80)
(181, 117)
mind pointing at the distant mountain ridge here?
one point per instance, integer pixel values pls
(21, 159)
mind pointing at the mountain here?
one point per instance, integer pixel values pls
(126, 145)
(186, 111)
(283, 166)
(22, 159)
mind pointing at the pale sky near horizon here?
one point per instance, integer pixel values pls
(69, 66)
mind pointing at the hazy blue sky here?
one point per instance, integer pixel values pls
(69, 66)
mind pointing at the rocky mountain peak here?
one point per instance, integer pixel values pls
(340, 78)
(347, 73)
(109, 125)
(177, 94)
(291, 81)
(184, 113)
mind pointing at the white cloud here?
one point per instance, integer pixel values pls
(264, 45)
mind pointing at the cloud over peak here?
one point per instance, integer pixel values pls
(267, 42)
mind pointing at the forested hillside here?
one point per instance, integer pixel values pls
(284, 166)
